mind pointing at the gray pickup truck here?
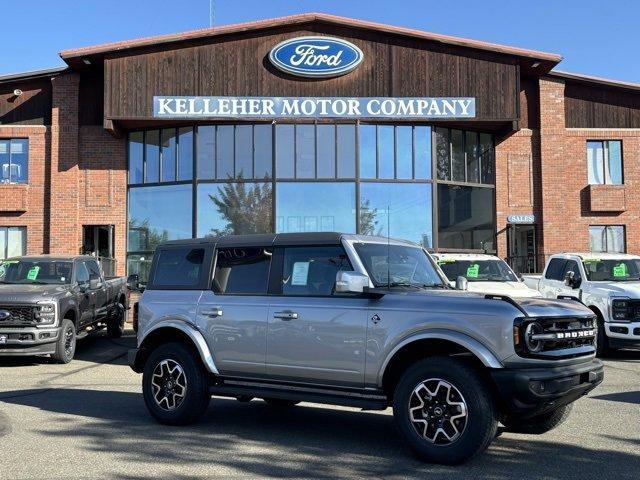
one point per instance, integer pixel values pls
(357, 321)
(47, 302)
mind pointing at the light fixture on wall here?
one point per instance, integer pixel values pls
(17, 92)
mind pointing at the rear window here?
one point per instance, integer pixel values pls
(555, 269)
(178, 267)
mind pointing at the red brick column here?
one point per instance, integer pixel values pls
(65, 231)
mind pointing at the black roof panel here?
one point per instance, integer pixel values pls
(276, 239)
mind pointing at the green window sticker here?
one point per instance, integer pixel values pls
(32, 274)
(620, 270)
(472, 271)
(442, 261)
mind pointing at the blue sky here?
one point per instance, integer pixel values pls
(595, 37)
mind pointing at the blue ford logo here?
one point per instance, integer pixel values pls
(316, 56)
(4, 314)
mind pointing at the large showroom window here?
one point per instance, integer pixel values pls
(381, 179)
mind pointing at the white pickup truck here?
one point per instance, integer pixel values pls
(484, 274)
(607, 283)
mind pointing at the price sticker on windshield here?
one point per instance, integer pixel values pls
(32, 274)
(620, 270)
(473, 270)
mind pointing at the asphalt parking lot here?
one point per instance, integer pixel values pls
(87, 420)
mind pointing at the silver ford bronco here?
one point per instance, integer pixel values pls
(358, 321)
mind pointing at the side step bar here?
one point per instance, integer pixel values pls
(232, 388)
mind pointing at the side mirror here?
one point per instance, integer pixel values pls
(351, 282)
(569, 279)
(94, 284)
(462, 283)
(133, 282)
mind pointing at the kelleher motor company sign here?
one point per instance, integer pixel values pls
(314, 107)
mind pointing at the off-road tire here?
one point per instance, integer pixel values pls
(115, 322)
(280, 402)
(540, 423)
(481, 421)
(196, 398)
(66, 344)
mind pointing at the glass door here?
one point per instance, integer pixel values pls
(521, 248)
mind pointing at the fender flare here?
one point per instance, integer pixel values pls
(483, 354)
(194, 335)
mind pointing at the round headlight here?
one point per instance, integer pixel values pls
(534, 328)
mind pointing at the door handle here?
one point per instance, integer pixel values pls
(214, 312)
(286, 315)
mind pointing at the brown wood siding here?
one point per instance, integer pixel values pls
(237, 65)
(91, 92)
(33, 107)
(600, 107)
(529, 103)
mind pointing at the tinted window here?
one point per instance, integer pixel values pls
(311, 271)
(555, 269)
(94, 270)
(82, 274)
(180, 267)
(242, 271)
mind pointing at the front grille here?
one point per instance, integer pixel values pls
(556, 337)
(19, 315)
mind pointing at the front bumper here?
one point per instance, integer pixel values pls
(28, 341)
(531, 391)
(623, 335)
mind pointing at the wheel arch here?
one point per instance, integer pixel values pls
(433, 344)
(176, 331)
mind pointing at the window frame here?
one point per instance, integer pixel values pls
(10, 143)
(605, 227)
(606, 170)
(4, 230)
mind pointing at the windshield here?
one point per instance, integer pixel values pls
(494, 270)
(612, 269)
(397, 265)
(47, 272)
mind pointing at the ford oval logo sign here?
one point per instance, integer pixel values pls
(316, 56)
(4, 314)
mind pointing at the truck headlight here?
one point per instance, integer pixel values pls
(532, 329)
(46, 313)
(622, 310)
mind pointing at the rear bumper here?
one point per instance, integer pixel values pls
(533, 391)
(28, 341)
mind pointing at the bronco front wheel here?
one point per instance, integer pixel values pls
(175, 385)
(444, 411)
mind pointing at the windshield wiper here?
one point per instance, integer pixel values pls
(417, 285)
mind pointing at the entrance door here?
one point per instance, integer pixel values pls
(521, 248)
(98, 240)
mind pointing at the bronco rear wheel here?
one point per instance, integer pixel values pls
(175, 385)
(444, 411)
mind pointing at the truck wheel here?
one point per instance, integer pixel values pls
(602, 342)
(66, 344)
(540, 423)
(175, 386)
(280, 402)
(444, 411)
(115, 324)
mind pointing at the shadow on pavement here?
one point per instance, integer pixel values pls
(624, 397)
(304, 441)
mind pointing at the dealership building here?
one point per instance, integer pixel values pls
(315, 122)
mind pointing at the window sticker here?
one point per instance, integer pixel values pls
(32, 274)
(300, 273)
(473, 270)
(442, 261)
(620, 270)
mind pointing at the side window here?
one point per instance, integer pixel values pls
(311, 271)
(94, 270)
(178, 267)
(572, 266)
(555, 269)
(82, 274)
(242, 271)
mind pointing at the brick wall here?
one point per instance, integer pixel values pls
(25, 205)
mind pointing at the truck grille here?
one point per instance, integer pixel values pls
(555, 337)
(19, 315)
